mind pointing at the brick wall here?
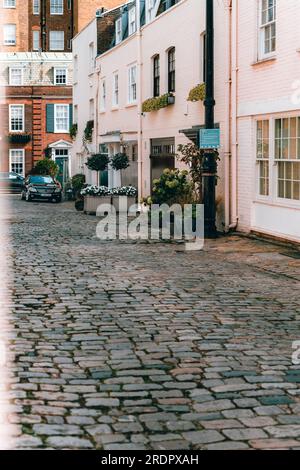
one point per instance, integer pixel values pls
(18, 16)
(85, 10)
(35, 116)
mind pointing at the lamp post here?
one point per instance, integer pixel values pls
(209, 161)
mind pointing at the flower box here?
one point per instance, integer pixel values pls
(91, 203)
(123, 203)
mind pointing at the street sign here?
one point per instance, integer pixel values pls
(209, 138)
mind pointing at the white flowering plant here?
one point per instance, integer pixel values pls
(93, 190)
(128, 191)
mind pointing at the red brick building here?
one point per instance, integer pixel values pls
(36, 78)
(36, 110)
(46, 25)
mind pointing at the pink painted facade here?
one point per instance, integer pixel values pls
(265, 95)
(125, 125)
(257, 83)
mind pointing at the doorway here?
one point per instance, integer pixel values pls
(62, 160)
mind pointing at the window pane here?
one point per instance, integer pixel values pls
(57, 40)
(56, 7)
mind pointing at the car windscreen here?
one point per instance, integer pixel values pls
(41, 180)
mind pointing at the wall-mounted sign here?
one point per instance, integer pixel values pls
(209, 138)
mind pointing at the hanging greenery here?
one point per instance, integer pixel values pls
(197, 93)
(88, 131)
(120, 161)
(159, 102)
(73, 130)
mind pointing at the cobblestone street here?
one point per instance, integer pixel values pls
(125, 345)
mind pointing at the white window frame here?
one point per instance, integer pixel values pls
(22, 155)
(132, 20)
(151, 9)
(274, 162)
(35, 7)
(62, 33)
(131, 99)
(36, 38)
(55, 73)
(116, 90)
(56, 7)
(9, 39)
(11, 77)
(264, 27)
(91, 109)
(64, 130)
(9, 3)
(118, 28)
(75, 69)
(263, 159)
(92, 57)
(11, 106)
(103, 93)
(288, 160)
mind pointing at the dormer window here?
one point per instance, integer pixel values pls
(118, 30)
(150, 7)
(132, 20)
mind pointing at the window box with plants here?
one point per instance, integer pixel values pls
(159, 102)
(197, 93)
(94, 196)
(19, 138)
(121, 204)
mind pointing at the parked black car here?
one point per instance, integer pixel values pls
(41, 187)
(11, 182)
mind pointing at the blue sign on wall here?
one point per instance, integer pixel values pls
(209, 138)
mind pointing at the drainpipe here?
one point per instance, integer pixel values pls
(96, 117)
(140, 97)
(43, 16)
(234, 129)
(227, 123)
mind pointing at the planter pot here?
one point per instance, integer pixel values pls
(171, 99)
(123, 207)
(91, 203)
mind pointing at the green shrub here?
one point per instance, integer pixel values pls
(98, 162)
(45, 167)
(197, 93)
(78, 182)
(120, 161)
(173, 187)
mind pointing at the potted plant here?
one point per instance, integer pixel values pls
(158, 102)
(78, 182)
(121, 204)
(120, 161)
(94, 196)
(197, 93)
(97, 162)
